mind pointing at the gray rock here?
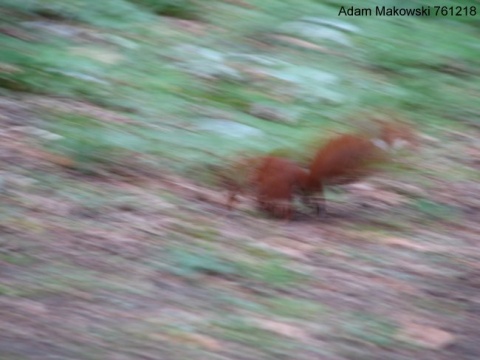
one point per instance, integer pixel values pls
(315, 32)
(339, 25)
(319, 94)
(54, 28)
(311, 85)
(202, 52)
(206, 63)
(302, 75)
(228, 128)
(111, 39)
(257, 59)
(78, 75)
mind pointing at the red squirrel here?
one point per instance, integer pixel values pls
(343, 159)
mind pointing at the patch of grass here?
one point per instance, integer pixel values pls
(17, 258)
(274, 273)
(58, 281)
(232, 301)
(295, 308)
(198, 232)
(263, 254)
(394, 222)
(235, 95)
(435, 211)
(241, 331)
(51, 71)
(190, 263)
(93, 145)
(370, 329)
(7, 290)
(58, 278)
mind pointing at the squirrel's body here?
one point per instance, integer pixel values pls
(343, 159)
(273, 179)
(276, 181)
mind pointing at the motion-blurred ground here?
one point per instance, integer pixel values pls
(115, 243)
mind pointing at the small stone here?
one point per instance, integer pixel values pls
(405, 243)
(283, 329)
(228, 128)
(315, 32)
(103, 55)
(340, 25)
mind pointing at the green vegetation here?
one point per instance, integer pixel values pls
(253, 337)
(370, 329)
(90, 143)
(295, 308)
(157, 74)
(189, 263)
(274, 273)
(436, 211)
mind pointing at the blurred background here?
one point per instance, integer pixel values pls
(120, 118)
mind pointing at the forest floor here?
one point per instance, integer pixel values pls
(115, 244)
(152, 266)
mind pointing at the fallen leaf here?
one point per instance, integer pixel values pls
(388, 197)
(425, 336)
(284, 329)
(405, 243)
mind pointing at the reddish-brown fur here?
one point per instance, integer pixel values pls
(238, 177)
(274, 180)
(344, 159)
